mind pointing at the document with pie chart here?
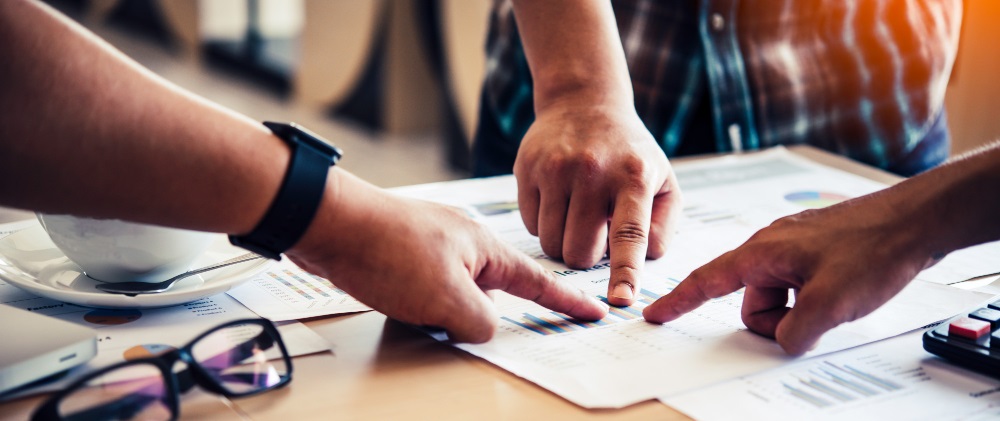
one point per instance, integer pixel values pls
(621, 359)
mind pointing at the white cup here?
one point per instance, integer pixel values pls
(112, 250)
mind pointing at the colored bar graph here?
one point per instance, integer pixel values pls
(555, 323)
(298, 282)
(535, 329)
(552, 327)
(647, 297)
(306, 283)
(582, 324)
(291, 286)
(552, 323)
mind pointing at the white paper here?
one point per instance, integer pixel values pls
(890, 379)
(134, 333)
(288, 293)
(622, 359)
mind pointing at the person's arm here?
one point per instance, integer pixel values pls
(84, 130)
(846, 260)
(591, 178)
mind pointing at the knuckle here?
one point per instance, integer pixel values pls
(579, 259)
(697, 281)
(559, 164)
(627, 265)
(587, 165)
(636, 172)
(629, 232)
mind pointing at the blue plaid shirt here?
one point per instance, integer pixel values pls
(862, 78)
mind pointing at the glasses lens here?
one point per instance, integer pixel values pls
(135, 391)
(242, 358)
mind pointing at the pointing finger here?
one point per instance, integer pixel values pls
(715, 279)
(628, 239)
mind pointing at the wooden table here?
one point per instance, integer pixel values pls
(382, 369)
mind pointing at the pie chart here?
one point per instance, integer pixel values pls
(108, 317)
(815, 199)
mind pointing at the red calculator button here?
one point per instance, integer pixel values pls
(968, 328)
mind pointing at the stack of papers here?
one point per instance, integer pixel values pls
(621, 359)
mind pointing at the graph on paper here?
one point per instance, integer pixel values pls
(554, 323)
(623, 359)
(891, 379)
(302, 286)
(287, 293)
(827, 384)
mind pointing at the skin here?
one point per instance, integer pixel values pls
(591, 179)
(845, 261)
(85, 130)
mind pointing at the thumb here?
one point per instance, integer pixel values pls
(813, 314)
(469, 316)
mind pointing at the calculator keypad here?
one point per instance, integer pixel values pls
(971, 340)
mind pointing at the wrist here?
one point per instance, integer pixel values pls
(583, 92)
(329, 214)
(300, 196)
(586, 107)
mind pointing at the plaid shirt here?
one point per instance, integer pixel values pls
(863, 78)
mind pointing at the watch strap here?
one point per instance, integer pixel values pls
(299, 196)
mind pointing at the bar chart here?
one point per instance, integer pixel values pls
(287, 292)
(552, 323)
(828, 384)
(306, 285)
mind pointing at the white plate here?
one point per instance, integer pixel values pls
(29, 260)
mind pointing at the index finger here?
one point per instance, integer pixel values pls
(628, 239)
(514, 272)
(716, 279)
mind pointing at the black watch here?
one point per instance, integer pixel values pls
(298, 198)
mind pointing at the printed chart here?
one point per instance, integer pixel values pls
(726, 201)
(555, 323)
(826, 383)
(815, 199)
(890, 379)
(289, 293)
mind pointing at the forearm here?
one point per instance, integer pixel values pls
(85, 130)
(574, 52)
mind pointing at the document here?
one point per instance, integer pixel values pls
(126, 334)
(890, 379)
(621, 359)
(288, 293)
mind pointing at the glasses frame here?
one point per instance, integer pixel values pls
(198, 374)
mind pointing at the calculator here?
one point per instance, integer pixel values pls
(970, 340)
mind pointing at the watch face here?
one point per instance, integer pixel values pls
(295, 135)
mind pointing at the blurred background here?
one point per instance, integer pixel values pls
(396, 82)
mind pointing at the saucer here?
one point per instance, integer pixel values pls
(30, 261)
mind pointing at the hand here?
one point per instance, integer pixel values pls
(592, 179)
(843, 262)
(424, 263)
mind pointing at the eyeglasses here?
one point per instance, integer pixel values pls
(236, 359)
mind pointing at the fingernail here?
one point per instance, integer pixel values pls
(623, 290)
